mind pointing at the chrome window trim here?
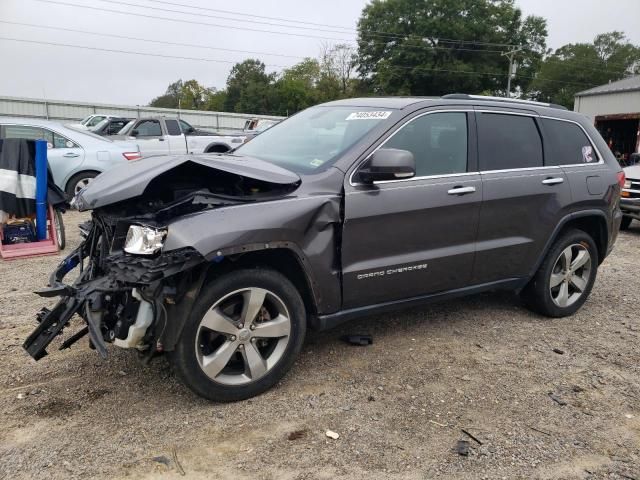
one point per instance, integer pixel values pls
(448, 110)
(506, 170)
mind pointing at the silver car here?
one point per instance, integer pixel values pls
(75, 157)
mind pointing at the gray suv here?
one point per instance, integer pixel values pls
(344, 210)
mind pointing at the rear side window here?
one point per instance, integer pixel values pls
(508, 141)
(172, 127)
(438, 142)
(567, 143)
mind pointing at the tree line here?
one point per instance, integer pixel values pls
(426, 48)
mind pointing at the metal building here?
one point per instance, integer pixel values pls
(615, 110)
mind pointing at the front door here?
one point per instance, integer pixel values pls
(524, 196)
(412, 237)
(150, 138)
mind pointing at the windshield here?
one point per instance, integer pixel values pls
(99, 126)
(313, 138)
(86, 119)
(94, 121)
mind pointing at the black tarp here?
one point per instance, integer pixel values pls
(18, 181)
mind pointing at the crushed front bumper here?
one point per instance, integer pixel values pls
(110, 289)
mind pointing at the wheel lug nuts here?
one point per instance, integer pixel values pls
(241, 326)
(253, 327)
(233, 337)
(241, 346)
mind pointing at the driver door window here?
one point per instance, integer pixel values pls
(149, 128)
(438, 142)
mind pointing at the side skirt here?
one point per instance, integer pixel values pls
(325, 322)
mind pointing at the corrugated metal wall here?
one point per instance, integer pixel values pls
(66, 111)
(608, 104)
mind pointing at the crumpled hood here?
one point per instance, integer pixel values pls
(130, 180)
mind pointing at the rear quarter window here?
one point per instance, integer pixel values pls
(508, 141)
(567, 143)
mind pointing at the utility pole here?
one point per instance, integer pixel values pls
(512, 66)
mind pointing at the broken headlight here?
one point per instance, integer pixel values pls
(144, 240)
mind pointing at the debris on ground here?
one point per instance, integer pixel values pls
(557, 399)
(463, 447)
(472, 437)
(358, 339)
(162, 459)
(558, 351)
(332, 434)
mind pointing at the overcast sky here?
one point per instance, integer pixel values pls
(65, 73)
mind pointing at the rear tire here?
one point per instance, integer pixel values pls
(564, 280)
(243, 335)
(79, 180)
(626, 222)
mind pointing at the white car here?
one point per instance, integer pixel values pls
(164, 136)
(75, 156)
(91, 121)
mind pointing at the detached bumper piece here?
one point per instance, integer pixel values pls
(108, 293)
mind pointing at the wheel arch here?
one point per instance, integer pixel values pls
(76, 173)
(283, 259)
(217, 147)
(593, 222)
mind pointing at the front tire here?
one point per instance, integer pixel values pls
(626, 222)
(565, 278)
(242, 336)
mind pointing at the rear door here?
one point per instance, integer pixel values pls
(524, 196)
(150, 137)
(412, 237)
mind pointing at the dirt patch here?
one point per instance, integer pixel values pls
(483, 364)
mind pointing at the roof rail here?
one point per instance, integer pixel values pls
(465, 96)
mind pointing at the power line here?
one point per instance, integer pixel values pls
(235, 27)
(405, 45)
(280, 19)
(200, 59)
(192, 22)
(163, 42)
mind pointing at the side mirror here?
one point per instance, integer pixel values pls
(190, 130)
(388, 164)
(134, 133)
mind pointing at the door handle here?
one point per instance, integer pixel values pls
(553, 181)
(461, 190)
(161, 139)
(71, 155)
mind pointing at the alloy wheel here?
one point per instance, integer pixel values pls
(83, 182)
(242, 336)
(570, 275)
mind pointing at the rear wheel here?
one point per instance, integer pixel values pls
(566, 276)
(78, 182)
(626, 222)
(217, 149)
(242, 336)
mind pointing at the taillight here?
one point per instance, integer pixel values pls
(621, 179)
(132, 155)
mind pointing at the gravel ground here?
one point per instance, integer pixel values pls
(482, 364)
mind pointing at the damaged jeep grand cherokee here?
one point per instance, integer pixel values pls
(346, 209)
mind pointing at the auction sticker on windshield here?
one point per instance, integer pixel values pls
(369, 115)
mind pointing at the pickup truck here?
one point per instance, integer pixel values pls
(173, 136)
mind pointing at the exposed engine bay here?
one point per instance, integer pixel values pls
(126, 286)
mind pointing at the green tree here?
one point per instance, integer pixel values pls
(579, 66)
(433, 47)
(170, 97)
(247, 88)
